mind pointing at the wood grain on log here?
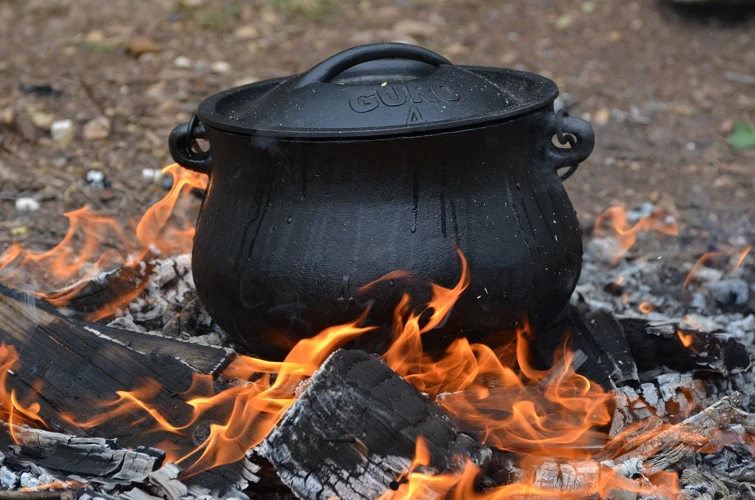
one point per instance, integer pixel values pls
(353, 430)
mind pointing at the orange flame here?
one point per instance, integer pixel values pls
(613, 222)
(710, 256)
(687, 338)
(646, 307)
(94, 244)
(549, 416)
(11, 410)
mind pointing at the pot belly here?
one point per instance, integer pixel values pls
(285, 247)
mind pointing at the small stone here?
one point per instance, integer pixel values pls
(614, 36)
(95, 36)
(246, 32)
(41, 119)
(564, 21)
(26, 127)
(414, 28)
(152, 174)
(97, 179)
(98, 128)
(725, 127)
(141, 45)
(220, 67)
(59, 162)
(601, 116)
(62, 132)
(730, 292)
(182, 62)
(27, 204)
(8, 115)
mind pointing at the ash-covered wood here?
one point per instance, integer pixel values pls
(83, 459)
(671, 445)
(353, 431)
(72, 369)
(662, 343)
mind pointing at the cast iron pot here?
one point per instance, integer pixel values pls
(384, 157)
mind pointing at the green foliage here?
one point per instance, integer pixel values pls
(742, 137)
(216, 15)
(318, 10)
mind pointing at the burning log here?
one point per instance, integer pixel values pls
(606, 357)
(353, 429)
(659, 343)
(670, 446)
(69, 368)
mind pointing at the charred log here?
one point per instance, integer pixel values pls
(78, 369)
(353, 430)
(666, 343)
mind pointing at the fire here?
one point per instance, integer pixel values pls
(551, 418)
(95, 243)
(614, 223)
(646, 307)
(11, 410)
(687, 339)
(741, 255)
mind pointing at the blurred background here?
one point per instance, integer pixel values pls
(89, 91)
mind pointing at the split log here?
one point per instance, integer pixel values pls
(662, 343)
(352, 432)
(78, 369)
(210, 360)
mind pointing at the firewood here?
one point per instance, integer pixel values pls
(78, 367)
(673, 444)
(353, 430)
(82, 459)
(659, 343)
(598, 336)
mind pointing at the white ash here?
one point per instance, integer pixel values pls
(169, 306)
(8, 478)
(27, 205)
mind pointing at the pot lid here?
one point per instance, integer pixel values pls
(383, 89)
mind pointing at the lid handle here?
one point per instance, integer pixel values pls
(337, 64)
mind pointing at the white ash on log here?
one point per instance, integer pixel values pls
(118, 472)
(670, 446)
(82, 459)
(352, 432)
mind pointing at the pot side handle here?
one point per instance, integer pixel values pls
(579, 135)
(334, 66)
(181, 143)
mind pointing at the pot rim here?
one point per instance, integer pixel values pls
(542, 93)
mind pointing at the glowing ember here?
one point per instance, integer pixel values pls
(614, 223)
(646, 307)
(687, 339)
(741, 255)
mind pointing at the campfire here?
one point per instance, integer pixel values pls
(614, 400)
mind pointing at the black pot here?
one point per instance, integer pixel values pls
(384, 157)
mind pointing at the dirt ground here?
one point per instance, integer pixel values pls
(661, 85)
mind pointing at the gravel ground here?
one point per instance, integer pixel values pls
(662, 85)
